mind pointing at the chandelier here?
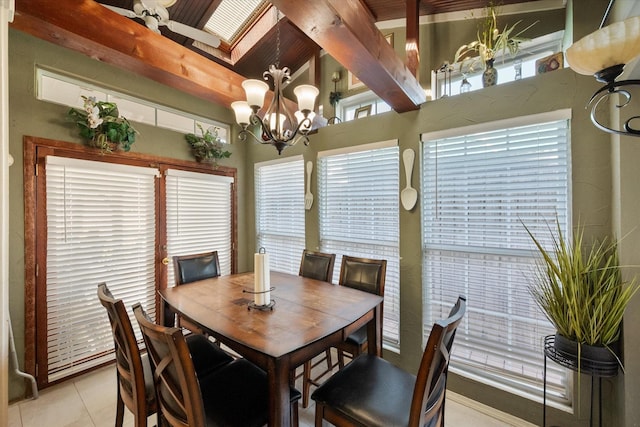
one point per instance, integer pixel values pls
(277, 126)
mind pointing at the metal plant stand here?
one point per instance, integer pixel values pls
(595, 368)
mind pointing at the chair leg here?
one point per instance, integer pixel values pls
(119, 409)
(319, 414)
(340, 358)
(306, 383)
(329, 361)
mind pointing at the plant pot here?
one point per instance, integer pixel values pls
(590, 355)
(490, 74)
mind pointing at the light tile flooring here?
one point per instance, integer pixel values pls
(89, 401)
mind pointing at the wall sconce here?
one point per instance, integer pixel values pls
(603, 54)
(335, 96)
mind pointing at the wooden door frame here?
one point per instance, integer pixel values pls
(34, 151)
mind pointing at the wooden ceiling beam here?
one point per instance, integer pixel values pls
(89, 28)
(347, 32)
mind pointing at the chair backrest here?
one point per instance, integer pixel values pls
(191, 268)
(317, 265)
(128, 360)
(177, 390)
(364, 274)
(429, 392)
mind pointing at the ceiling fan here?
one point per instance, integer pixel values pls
(154, 13)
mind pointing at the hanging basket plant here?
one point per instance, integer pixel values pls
(207, 147)
(102, 126)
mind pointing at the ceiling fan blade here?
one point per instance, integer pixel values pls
(124, 12)
(193, 33)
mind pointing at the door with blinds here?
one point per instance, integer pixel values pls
(101, 224)
(113, 221)
(198, 211)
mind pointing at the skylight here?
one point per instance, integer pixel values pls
(231, 16)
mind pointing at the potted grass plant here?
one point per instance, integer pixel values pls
(581, 291)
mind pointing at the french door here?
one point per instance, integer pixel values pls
(116, 219)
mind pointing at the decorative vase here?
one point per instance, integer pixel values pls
(490, 74)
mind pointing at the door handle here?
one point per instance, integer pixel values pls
(165, 261)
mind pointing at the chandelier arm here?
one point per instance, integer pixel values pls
(604, 93)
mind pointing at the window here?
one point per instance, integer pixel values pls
(100, 228)
(198, 216)
(280, 228)
(359, 215)
(68, 91)
(348, 106)
(480, 185)
(449, 83)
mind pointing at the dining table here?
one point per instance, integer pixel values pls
(307, 317)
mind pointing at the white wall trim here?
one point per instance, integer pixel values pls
(507, 419)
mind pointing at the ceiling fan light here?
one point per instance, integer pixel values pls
(615, 44)
(242, 112)
(255, 90)
(306, 95)
(151, 22)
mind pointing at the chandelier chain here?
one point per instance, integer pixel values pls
(277, 38)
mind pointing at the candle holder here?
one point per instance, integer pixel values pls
(266, 307)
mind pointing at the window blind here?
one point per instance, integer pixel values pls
(280, 226)
(359, 216)
(100, 228)
(478, 191)
(198, 216)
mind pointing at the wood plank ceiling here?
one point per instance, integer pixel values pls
(345, 29)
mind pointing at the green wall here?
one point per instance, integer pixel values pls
(597, 169)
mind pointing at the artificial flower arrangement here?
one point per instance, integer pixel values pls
(102, 126)
(490, 40)
(207, 147)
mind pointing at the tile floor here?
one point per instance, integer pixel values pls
(89, 401)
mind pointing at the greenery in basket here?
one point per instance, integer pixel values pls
(102, 126)
(207, 146)
(490, 40)
(582, 293)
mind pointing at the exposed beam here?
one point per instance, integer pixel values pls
(412, 45)
(80, 25)
(347, 32)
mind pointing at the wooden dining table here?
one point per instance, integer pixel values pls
(308, 316)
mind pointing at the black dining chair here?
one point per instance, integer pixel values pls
(367, 275)
(191, 268)
(318, 266)
(233, 396)
(133, 371)
(372, 392)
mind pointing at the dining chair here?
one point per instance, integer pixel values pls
(133, 371)
(234, 395)
(191, 268)
(372, 392)
(135, 385)
(367, 275)
(318, 266)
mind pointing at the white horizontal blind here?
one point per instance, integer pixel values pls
(280, 226)
(100, 228)
(198, 216)
(359, 216)
(478, 191)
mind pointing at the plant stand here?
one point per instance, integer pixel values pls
(596, 369)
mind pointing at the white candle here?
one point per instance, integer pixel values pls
(261, 279)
